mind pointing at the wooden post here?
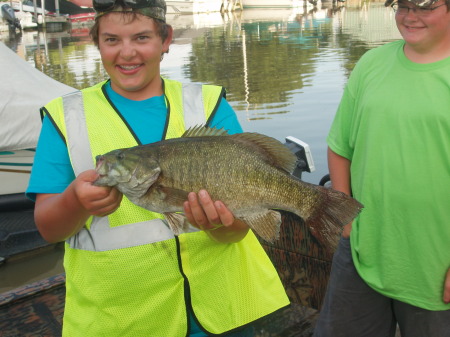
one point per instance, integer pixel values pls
(35, 11)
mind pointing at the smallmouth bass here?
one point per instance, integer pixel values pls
(249, 172)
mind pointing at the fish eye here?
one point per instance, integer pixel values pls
(120, 156)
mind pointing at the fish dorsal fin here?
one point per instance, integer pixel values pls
(270, 149)
(202, 131)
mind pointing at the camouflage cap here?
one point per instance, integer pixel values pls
(155, 9)
(418, 3)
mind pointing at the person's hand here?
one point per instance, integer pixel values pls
(59, 216)
(214, 218)
(446, 297)
(96, 200)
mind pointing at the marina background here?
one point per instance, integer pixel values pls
(284, 69)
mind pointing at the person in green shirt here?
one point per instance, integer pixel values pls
(389, 147)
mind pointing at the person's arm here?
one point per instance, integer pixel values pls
(59, 216)
(447, 287)
(214, 218)
(339, 168)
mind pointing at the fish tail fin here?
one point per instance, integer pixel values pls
(335, 210)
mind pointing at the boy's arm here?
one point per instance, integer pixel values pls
(59, 216)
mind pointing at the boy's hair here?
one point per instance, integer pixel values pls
(162, 28)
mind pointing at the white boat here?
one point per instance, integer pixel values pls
(19, 6)
(26, 20)
(276, 3)
(15, 169)
(23, 94)
(194, 6)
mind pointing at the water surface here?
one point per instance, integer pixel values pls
(284, 70)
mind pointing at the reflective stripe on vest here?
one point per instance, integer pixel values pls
(101, 236)
(194, 113)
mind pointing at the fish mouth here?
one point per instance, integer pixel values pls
(101, 170)
(100, 165)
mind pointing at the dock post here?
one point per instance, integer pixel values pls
(238, 3)
(231, 5)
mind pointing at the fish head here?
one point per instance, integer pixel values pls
(127, 170)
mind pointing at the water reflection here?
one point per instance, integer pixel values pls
(284, 70)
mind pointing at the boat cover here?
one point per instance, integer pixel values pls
(23, 90)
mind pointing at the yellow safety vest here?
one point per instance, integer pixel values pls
(127, 274)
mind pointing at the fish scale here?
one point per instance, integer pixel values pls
(249, 172)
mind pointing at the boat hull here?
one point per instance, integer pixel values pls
(15, 170)
(194, 6)
(273, 4)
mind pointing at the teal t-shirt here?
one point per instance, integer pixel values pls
(393, 123)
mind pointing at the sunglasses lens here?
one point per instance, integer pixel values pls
(103, 5)
(133, 3)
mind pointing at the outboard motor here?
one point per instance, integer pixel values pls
(10, 17)
(305, 162)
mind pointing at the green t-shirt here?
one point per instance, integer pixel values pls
(393, 123)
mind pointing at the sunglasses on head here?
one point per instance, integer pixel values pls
(106, 5)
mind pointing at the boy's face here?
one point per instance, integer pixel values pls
(424, 32)
(131, 54)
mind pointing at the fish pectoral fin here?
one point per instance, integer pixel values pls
(172, 196)
(266, 225)
(177, 222)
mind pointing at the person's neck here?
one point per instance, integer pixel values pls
(425, 54)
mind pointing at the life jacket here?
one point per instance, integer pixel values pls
(127, 274)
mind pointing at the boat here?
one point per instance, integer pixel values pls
(35, 309)
(193, 6)
(278, 3)
(57, 13)
(15, 169)
(82, 18)
(25, 92)
(53, 7)
(28, 7)
(8, 16)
